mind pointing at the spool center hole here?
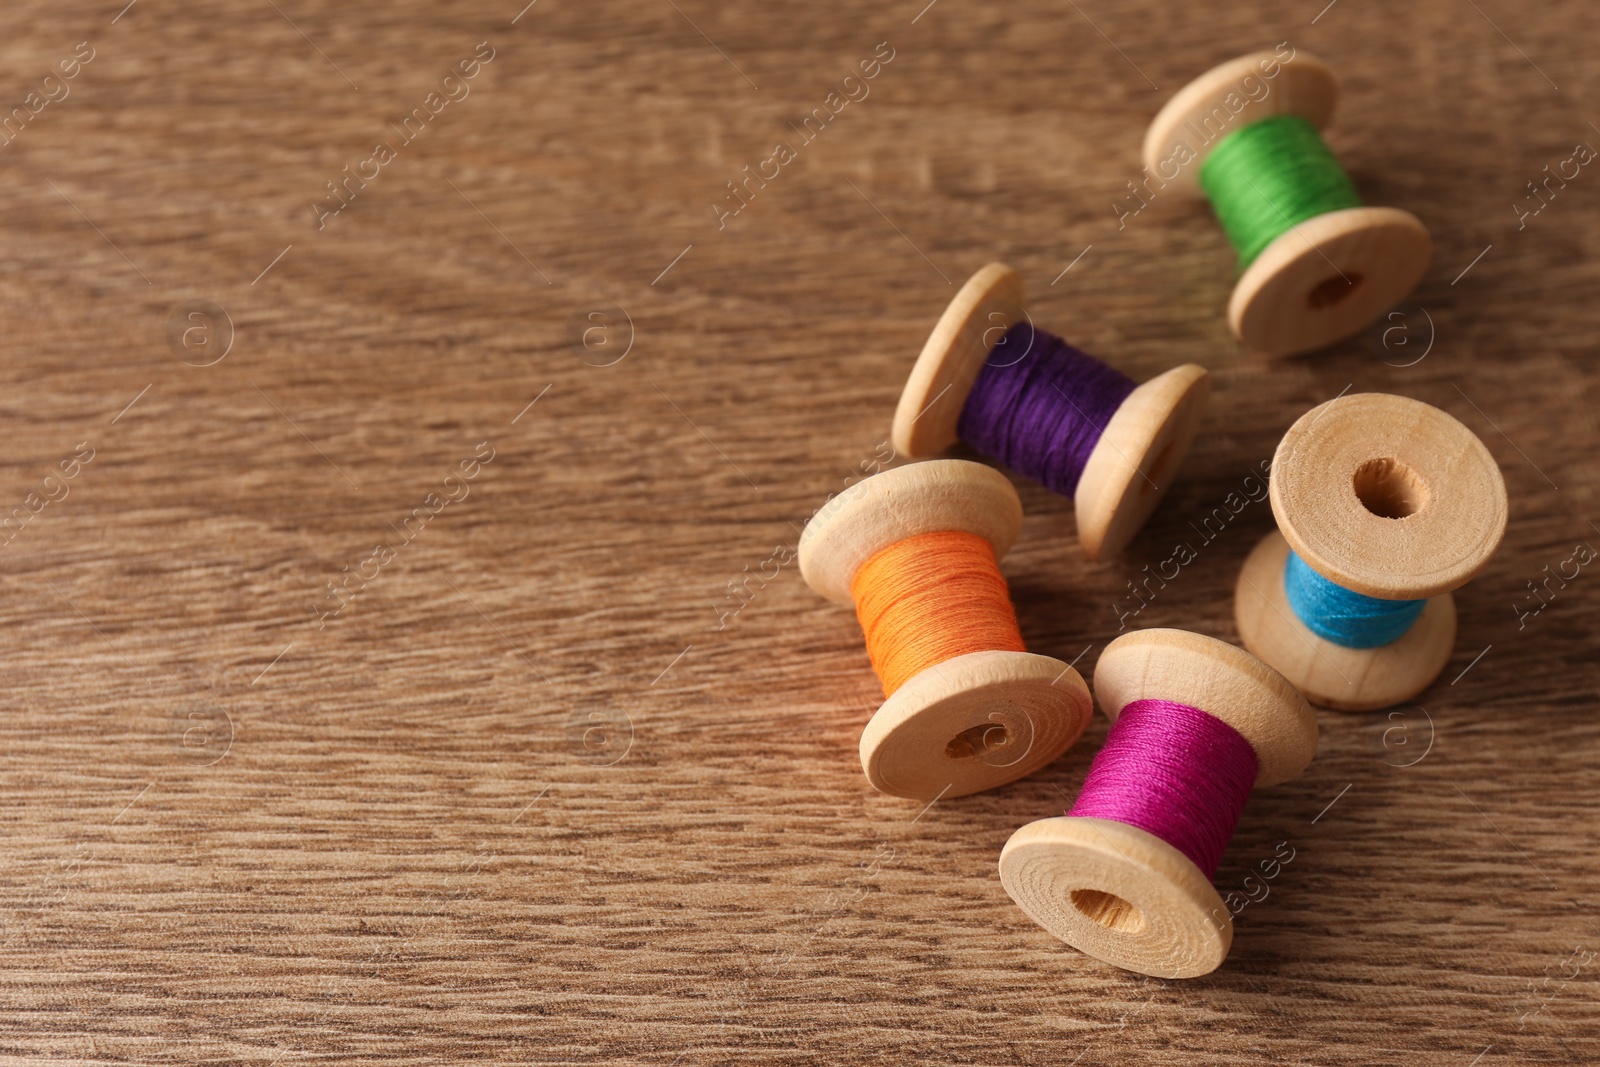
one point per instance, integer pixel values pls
(1390, 489)
(1332, 291)
(977, 741)
(1109, 910)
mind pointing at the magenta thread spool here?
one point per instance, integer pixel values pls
(992, 378)
(1126, 875)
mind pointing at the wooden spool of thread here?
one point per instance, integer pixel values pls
(966, 707)
(988, 376)
(1384, 505)
(1126, 875)
(1317, 266)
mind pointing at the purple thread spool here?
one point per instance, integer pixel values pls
(1040, 406)
(988, 376)
(1126, 876)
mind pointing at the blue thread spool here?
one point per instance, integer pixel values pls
(1323, 278)
(1346, 618)
(1384, 506)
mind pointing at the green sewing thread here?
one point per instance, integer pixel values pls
(1269, 177)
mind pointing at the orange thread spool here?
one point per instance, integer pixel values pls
(931, 598)
(915, 550)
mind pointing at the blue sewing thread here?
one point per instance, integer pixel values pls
(1344, 617)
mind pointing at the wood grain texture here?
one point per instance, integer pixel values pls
(546, 792)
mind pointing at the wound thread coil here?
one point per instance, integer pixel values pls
(1269, 177)
(931, 598)
(1040, 406)
(1344, 616)
(1174, 771)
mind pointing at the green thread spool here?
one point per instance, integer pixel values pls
(1271, 176)
(1316, 265)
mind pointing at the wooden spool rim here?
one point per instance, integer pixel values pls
(1328, 278)
(1350, 679)
(889, 507)
(1137, 458)
(1304, 86)
(1140, 448)
(987, 304)
(1220, 679)
(1119, 894)
(973, 723)
(1460, 497)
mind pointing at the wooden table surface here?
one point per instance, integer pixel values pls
(528, 783)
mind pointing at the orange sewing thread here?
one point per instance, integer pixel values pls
(931, 598)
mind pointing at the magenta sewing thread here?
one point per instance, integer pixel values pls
(1039, 406)
(1126, 875)
(1173, 771)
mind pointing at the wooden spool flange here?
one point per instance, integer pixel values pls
(973, 722)
(1388, 497)
(1122, 894)
(1326, 278)
(1138, 453)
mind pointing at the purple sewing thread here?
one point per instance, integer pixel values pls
(1039, 406)
(1175, 772)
